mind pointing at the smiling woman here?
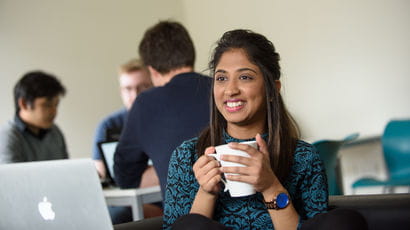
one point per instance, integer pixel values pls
(286, 173)
(239, 92)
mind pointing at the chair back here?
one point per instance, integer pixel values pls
(328, 150)
(396, 148)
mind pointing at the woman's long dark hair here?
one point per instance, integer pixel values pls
(282, 129)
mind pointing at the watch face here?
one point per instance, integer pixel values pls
(282, 200)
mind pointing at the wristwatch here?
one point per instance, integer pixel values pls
(279, 202)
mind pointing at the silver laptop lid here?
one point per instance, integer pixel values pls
(59, 194)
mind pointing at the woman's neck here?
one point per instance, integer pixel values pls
(244, 132)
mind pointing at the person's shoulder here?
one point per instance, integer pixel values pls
(148, 95)
(10, 133)
(114, 117)
(305, 151)
(6, 127)
(188, 145)
(204, 78)
(186, 151)
(9, 128)
(303, 146)
(200, 75)
(191, 79)
(118, 113)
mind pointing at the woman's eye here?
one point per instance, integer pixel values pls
(245, 77)
(220, 78)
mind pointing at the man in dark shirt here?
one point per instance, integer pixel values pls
(163, 117)
(32, 134)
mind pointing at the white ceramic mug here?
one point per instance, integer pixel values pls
(236, 188)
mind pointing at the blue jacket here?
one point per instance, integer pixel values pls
(109, 129)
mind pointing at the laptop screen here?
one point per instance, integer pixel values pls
(108, 150)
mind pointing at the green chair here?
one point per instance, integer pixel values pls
(396, 151)
(328, 150)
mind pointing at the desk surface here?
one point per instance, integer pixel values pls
(133, 197)
(117, 192)
(143, 195)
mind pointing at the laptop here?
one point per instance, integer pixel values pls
(107, 148)
(58, 194)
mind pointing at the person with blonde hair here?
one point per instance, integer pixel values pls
(133, 79)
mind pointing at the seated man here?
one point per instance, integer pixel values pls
(133, 79)
(32, 134)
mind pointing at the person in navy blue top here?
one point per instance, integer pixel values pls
(286, 172)
(163, 117)
(133, 79)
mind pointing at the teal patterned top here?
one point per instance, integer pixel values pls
(306, 185)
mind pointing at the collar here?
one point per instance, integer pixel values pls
(23, 127)
(227, 138)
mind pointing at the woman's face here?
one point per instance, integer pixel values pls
(239, 90)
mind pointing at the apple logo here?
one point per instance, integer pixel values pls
(44, 207)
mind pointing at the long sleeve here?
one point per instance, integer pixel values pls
(10, 148)
(307, 182)
(182, 185)
(314, 188)
(130, 160)
(98, 137)
(113, 123)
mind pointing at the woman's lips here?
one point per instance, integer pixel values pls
(234, 105)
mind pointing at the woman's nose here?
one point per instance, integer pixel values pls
(231, 88)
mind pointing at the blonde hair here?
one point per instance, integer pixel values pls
(131, 66)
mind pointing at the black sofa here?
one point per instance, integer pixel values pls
(386, 211)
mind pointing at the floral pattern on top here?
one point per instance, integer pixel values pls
(306, 185)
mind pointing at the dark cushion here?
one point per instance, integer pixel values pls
(148, 224)
(386, 211)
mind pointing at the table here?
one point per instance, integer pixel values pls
(133, 197)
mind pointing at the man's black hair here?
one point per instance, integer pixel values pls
(37, 84)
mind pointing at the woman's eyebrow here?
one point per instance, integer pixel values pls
(238, 70)
(245, 69)
(220, 71)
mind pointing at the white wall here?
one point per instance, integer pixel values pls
(345, 63)
(82, 42)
